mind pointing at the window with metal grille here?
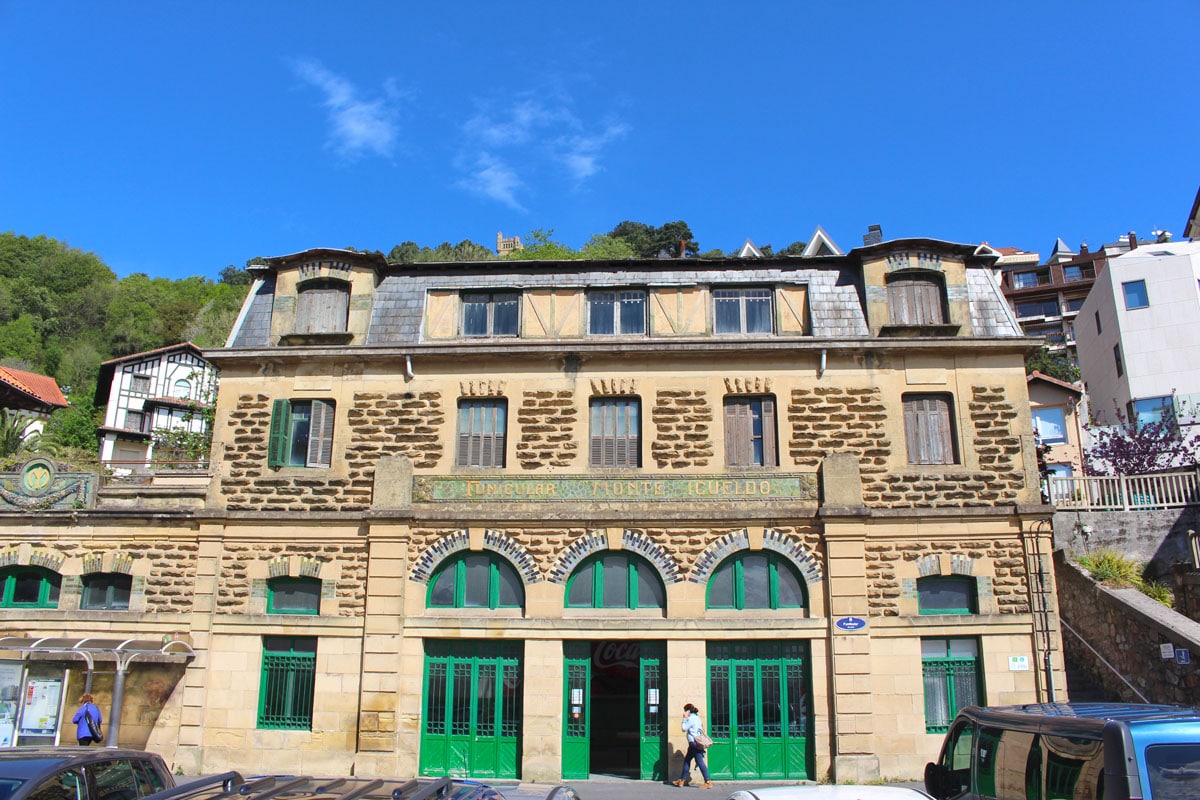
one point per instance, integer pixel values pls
(139, 384)
(756, 580)
(322, 306)
(929, 429)
(617, 313)
(950, 669)
(481, 433)
(135, 421)
(742, 311)
(489, 313)
(294, 595)
(29, 587)
(750, 432)
(946, 594)
(916, 300)
(615, 580)
(476, 580)
(106, 591)
(615, 431)
(289, 672)
(301, 433)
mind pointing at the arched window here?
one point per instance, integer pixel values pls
(947, 594)
(916, 298)
(29, 587)
(756, 580)
(476, 580)
(288, 595)
(182, 389)
(615, 580)
(106, 591)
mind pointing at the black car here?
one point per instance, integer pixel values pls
(232, 786)
(81, 773)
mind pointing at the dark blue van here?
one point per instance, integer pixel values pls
(1069, 751)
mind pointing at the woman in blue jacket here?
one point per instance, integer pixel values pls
(87, 710)
(692, 725)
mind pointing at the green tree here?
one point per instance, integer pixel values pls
(669, 237)
(74, 428)
(14, 434)
(604, 246)
(1055, 365)
(539, 246)
(638, 235)
(20, 342)
(235, 276)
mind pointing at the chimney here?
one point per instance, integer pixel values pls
(1132, 240)
(1083, 249)
(683, 248)
(874, 235)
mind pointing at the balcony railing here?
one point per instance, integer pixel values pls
(1124, 492)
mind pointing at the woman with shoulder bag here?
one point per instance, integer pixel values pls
(693, 726)
(87, 721)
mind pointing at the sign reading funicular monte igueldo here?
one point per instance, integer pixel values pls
(578, 488)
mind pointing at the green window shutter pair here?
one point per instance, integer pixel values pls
(320, 437)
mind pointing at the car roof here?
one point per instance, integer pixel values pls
(294, 787)
(831, 792)
(29, 762)
(1083, 715)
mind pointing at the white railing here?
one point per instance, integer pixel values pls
(1124, 492)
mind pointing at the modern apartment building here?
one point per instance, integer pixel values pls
(1139, 346)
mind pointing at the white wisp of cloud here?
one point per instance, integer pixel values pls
(359, 126)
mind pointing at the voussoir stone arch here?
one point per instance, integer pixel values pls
(636, 541)
(494, 541)
(791, 548)
(581, 548)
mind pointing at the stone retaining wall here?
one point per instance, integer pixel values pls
(1126, 629)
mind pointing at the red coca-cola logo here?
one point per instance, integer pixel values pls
(617, 655)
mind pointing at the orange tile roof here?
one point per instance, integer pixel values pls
(40, 387)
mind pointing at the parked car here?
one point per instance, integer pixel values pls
(830, 792)
(81, 773)
(289, 787)
(1117, 751)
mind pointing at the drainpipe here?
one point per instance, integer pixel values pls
(118, 697)
(821, 368)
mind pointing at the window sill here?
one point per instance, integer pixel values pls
(333, 338)
(911, 331)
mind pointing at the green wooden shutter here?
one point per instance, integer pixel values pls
(280, 435)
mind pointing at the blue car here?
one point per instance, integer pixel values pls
(1105, 751)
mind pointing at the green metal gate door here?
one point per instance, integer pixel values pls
(653, 753)
(653, 692)
(758, 713)
(577, 701)
(472, 714)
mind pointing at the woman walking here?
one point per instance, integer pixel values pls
(693, 726)
(87, 715)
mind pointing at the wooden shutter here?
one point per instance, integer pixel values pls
(323, 308)
(320, 434)
(928, 434)
(770, 457)
(737, 432)
(279, 439)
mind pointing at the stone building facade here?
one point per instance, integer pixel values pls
(505, 520)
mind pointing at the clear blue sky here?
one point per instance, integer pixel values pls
(176, 138)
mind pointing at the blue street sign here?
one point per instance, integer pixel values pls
(851, 623)
(1183, 655)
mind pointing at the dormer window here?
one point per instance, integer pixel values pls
(322, 306)
(916, 298)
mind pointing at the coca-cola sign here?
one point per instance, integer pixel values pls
(616, 655)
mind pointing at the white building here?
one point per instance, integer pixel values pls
(1139, 338)
(163, 389)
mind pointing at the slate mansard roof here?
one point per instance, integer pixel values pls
(836, 292)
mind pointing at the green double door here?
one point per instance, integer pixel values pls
(615, 720)
(759, 710)
(471, 720)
